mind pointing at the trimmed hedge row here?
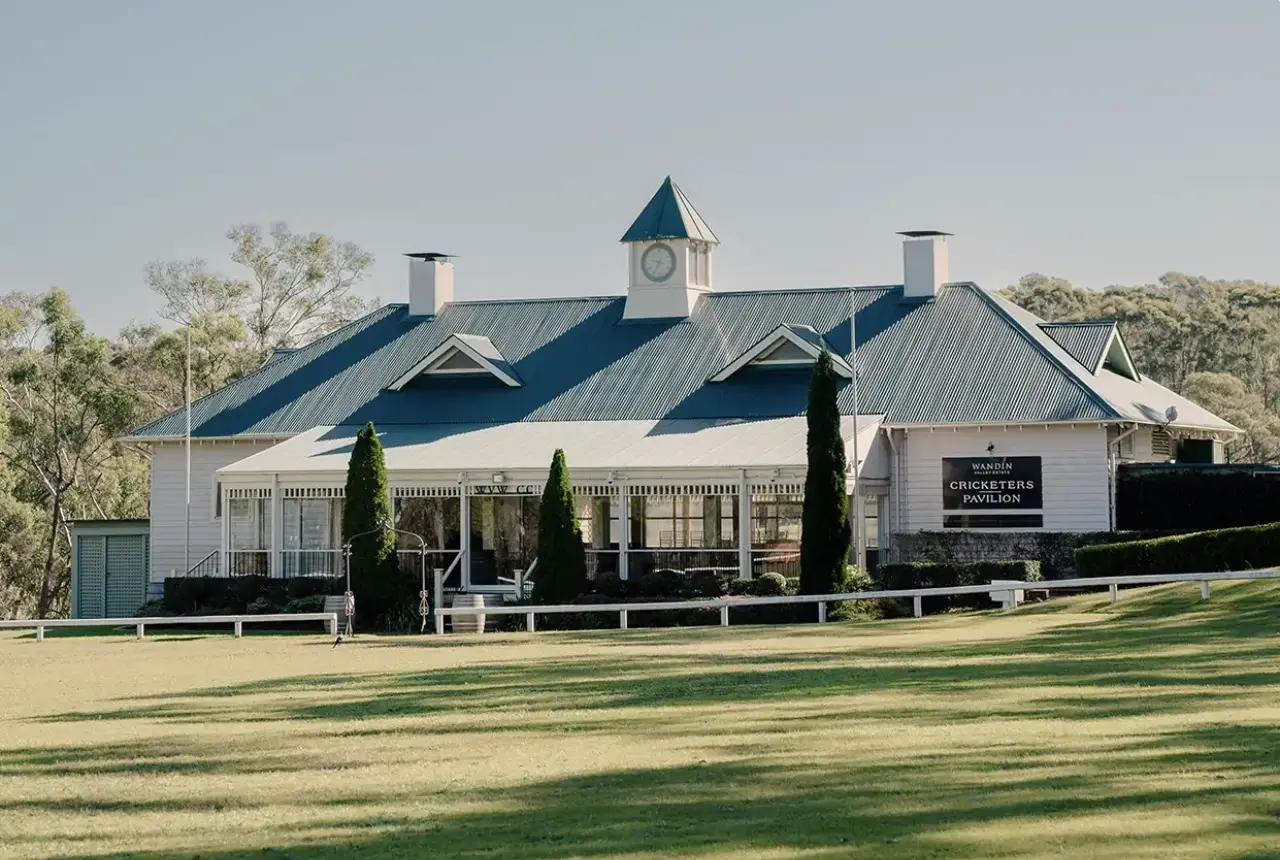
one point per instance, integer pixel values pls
(1199, 552)
(237, 595)
(929, 574)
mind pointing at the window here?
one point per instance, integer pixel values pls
(776, 520)
(216, 503)
(250, 524)
(600, 518)
(504, 537)
(684, 522)
(437, 520)
(871, 522)
(312, 524)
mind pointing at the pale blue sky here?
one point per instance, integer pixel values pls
(1101, 141)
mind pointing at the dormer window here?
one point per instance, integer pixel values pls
(461, 355)
(787, 346)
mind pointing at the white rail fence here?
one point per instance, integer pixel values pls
(1006, 592)
(237, 622)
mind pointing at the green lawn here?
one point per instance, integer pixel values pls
(1076, 729)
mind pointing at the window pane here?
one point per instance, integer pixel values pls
(504, 537)
(250, 523)
(436, 519)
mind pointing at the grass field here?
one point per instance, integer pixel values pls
(1074, 729)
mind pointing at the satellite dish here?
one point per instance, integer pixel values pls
(1171, 414)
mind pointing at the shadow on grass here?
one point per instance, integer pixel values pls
(928, 806)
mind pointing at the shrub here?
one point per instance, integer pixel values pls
(926, 574)
(707, 583)
(212, 595)
(310, 603)
(770, 585)
(1218, 550)
(262, 606)
(152, 609)
(609, 585)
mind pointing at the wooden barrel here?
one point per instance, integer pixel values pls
(468, 623)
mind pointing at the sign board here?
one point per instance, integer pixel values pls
(991, 484)
(506, 490)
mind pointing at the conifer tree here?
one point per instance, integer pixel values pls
(824, 544)
(561, 574)
(366, 513)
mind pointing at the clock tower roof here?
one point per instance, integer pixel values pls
(669, 215)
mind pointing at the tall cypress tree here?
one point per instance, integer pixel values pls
(824, 544)
(367, 509)
(561, 574)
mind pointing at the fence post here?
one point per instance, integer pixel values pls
(141, 629)
(39, 632)
(622, 619)
(1115, 592)
(1204, 589)
(724, 616)
(528, 621)
(822, 612)
(519, 578)
(239, 629)
(438, 573)
(916, 609)
(333, 624)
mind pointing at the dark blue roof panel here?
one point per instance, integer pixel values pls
(959, 359)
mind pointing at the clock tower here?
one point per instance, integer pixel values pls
(669, 247)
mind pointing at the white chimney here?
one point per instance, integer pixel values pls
(430, 283)
(924, 263)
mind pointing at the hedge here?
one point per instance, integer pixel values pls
(928, 574)
(1199, 552)
(222, 595)
(1154, 496)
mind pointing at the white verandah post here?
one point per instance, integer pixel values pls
(744, 526)
(624, 540)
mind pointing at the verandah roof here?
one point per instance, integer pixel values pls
(679, 444)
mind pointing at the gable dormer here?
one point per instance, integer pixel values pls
(461, 355)
(670, 249)
(1096, 344)
(788, 346)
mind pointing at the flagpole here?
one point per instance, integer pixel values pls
(186, 546)
(858, 540)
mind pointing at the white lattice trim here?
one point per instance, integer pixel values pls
(683, 490)
(778, 489)
(425, 492)
(597, 490)
(315, 492)
(248, 492)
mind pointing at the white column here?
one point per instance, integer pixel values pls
(625, 539)
(464, 514)
(277, 526)
(744, 526)
(225, 568)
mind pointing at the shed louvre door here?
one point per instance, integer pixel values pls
(126, 574)
(91, 564)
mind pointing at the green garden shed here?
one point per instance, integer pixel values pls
(110, 560)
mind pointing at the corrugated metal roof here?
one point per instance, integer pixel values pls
(1085, 341)
(669, 215)
(966, 358)
(588, 445)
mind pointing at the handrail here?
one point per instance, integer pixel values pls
(212, 555)
(1006, 588)
(237, 621)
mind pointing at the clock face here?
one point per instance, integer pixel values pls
(658, 262)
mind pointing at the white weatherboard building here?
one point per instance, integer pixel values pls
(680, 406)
